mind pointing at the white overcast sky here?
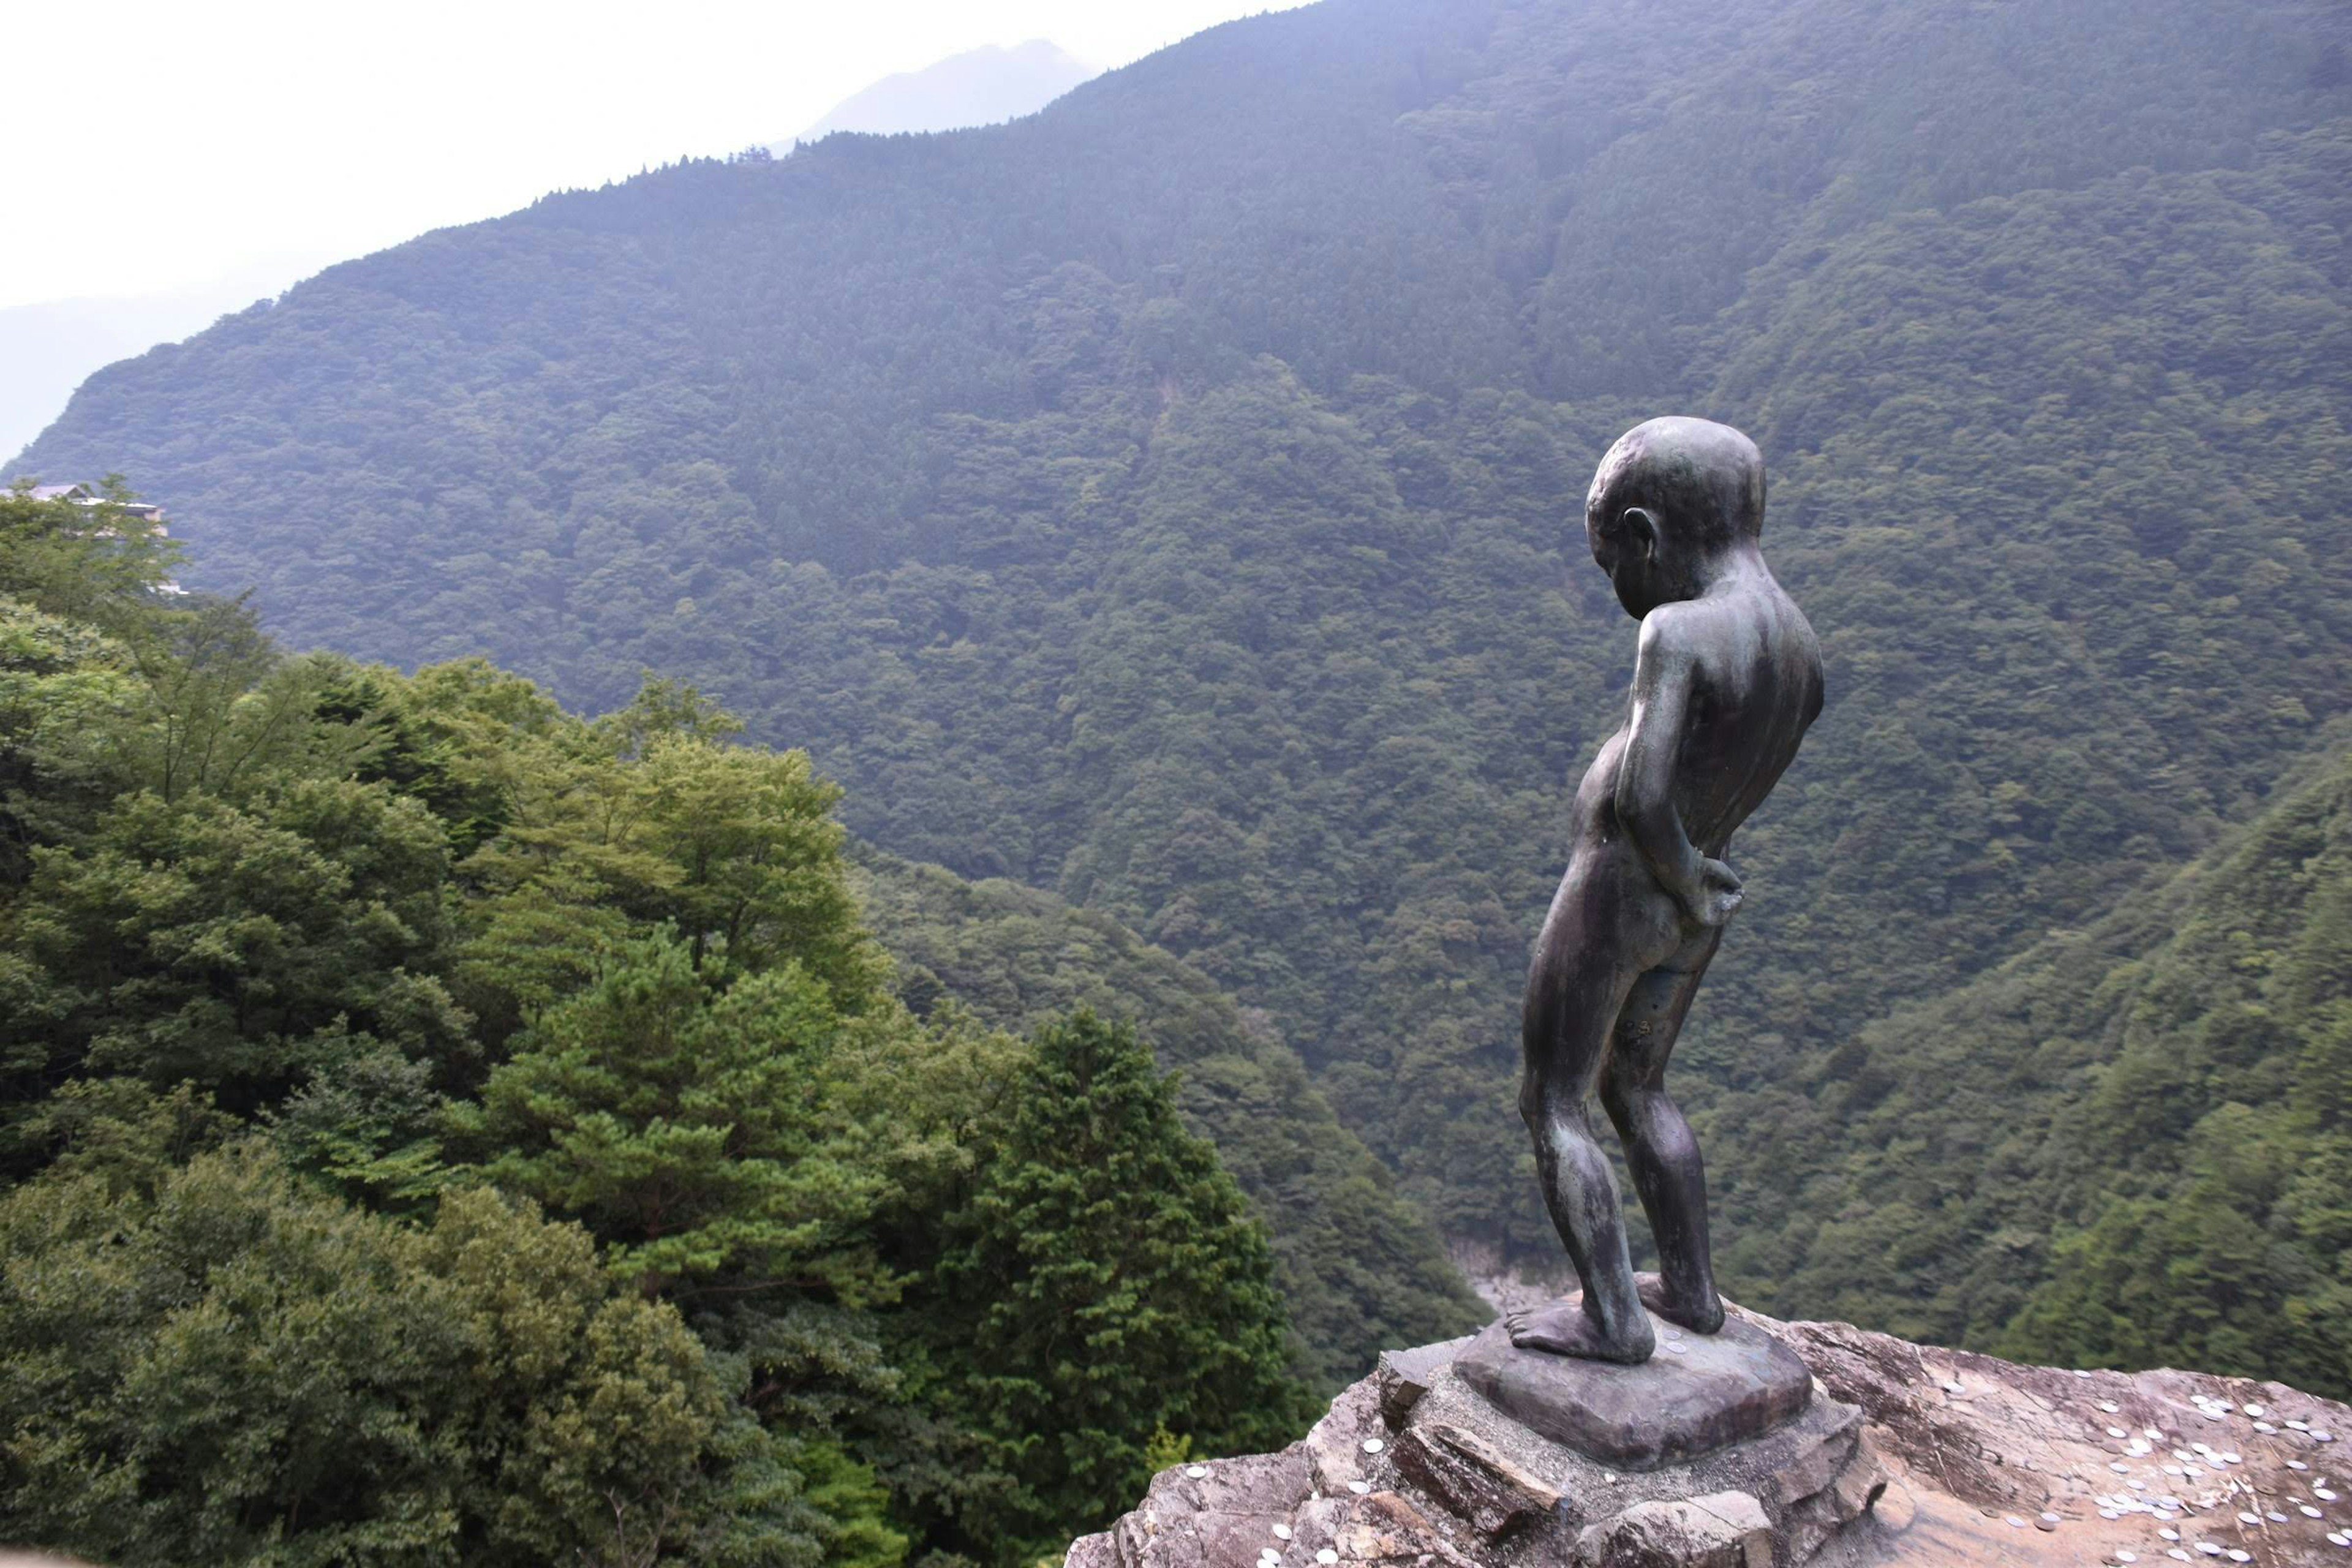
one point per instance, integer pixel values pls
(149, 147)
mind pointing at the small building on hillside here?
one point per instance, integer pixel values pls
(89, 495)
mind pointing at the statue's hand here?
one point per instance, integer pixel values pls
(1717, 894)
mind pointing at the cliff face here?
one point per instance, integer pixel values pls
(1908, 1454)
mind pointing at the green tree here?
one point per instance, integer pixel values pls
(1105, 1285)
(693, 1126)
(651, 816)
(93, 564)
(216, 1365)
(238, 946)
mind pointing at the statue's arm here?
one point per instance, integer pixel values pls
(1663, 670)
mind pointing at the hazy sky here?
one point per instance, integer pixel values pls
(154, 146)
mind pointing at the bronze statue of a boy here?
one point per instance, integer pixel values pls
(1727, 680)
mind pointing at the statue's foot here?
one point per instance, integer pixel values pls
(1701, 1314)
(1562, 1329)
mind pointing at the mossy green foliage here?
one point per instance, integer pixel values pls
(1103, 1283)
(218, 1363)
(438, 1129)
(1358, 1266)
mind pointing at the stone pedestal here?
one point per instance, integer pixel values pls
(1698, 1393)
(1417, 1467)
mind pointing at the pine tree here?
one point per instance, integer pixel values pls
(1108, 1284)
(690, 1127)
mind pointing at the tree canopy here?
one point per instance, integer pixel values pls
(436, 1127)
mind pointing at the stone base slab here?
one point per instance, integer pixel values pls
(1698, 1393)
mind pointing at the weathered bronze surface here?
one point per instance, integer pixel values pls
(1727, 679)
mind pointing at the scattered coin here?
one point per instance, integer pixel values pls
(2240, 1554)
(2311, 1513)
(1282, 1532)
(1373, 1445)
(2126, 1557)
(1327, 1557)
(2245, 1518)
(2117, 1432)
(2110, 1405)
(2175, 1552)
(2169, 1535)
(1198, 1472)
(2015, 1523)
(1360, 1487)
(2254, 1410)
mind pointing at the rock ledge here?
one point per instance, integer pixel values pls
(1904, 1453)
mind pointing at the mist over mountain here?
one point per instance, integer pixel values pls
(49, 347)
(978, 87)
(1172, 500)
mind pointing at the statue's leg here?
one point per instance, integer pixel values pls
(1659, 1147)
(1573, 995)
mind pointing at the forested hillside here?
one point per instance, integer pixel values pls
(1172, 500)
(437, 1128)
(1359, 1268)
(2128, 1144)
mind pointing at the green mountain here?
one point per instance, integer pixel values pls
(1170, 501)
(1358, 1268)
(2128, 1144)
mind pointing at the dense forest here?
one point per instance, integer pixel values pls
(1169, 504)
(435, 1128)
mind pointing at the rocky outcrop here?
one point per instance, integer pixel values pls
(1906, 1454)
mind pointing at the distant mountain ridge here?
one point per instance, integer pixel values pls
(48, 348)
(978, 87)
(1170, 499)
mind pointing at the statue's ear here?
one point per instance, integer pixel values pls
(1640, 527)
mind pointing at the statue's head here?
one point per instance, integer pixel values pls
(1671, 497)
